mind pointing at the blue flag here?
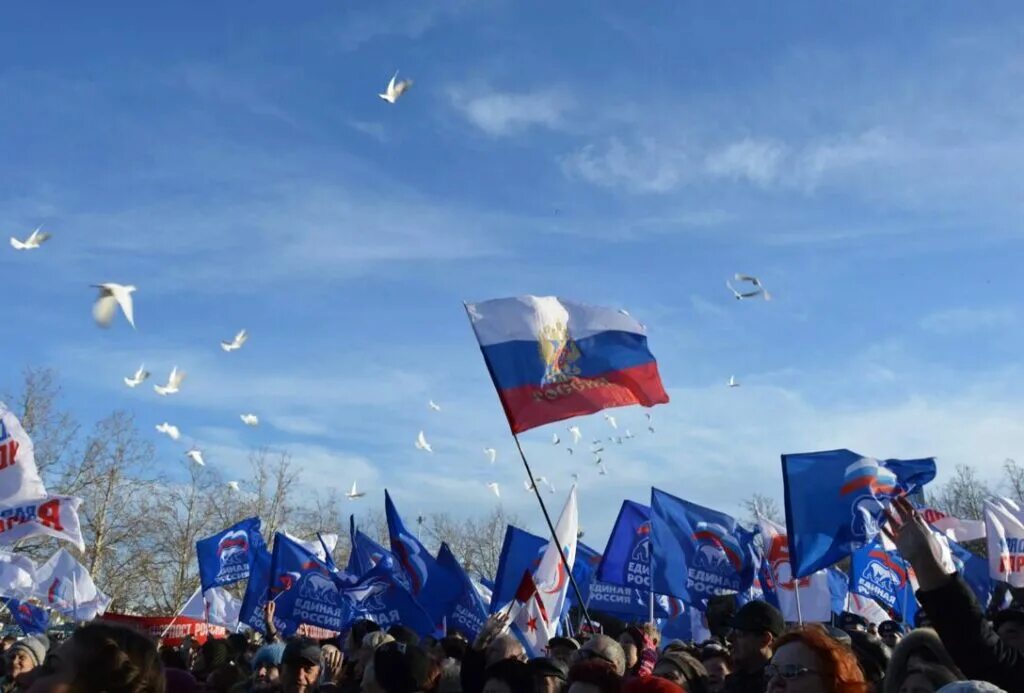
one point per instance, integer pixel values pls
(521, 552)
(468, 613)
(627, 556)
(225, 557)
(974, 570)
(382, 598)
(366, 553)
(835, 501)
(257, 594)
(32, 619)
(696, 552)
(305, 590)
(839, 588)
(432, 586)
(631, 603)
(883, 576)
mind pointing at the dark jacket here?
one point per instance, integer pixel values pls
(969, 638)
(471, 675)
(740, 682)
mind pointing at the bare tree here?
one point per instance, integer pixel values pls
(760, 505)
(53, 431)
(963, 495)
(1013, 477)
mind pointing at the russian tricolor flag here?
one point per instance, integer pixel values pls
(553, 359)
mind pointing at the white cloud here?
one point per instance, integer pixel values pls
(968, 320)
(647, 166)
(506, 113)
(757, 161)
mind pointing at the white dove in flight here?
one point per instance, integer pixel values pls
(434, 406)
(759, 289)
(139, 376)
(196, 456)
(629, 435)
(422, 444)
(170, 430)
(555, 440)
(395, 88)
(576, 434)
(35, 239)
(174, 381)
(733, 382)
(111, 296)
(250, 419)
(491, 453)
(233, 486)
(236, 343)
(611, 421)
(354, 493)
(495, 489)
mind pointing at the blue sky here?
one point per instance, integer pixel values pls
(237, 166)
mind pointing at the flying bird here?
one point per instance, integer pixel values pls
(354, 494)
(555, 440)
(575, 476)
(422, 444)
(139, 376)
(611, 421)
(395, 88)
(434, 406)
(568, 450)
(169, 430)
(236, 343)
(174, 381)
(111, 296)
(576, 434)
(494, 488)
(759, 289)
(250, 419)
(629, 435)
(196, 456)
(491, 453)
(601, 469)
(35, 239)
(233, 486)
(733, 382)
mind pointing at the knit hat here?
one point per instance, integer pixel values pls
(33, 646)
(636, 635)
(687, 665)
(269, 656)
(376, 639)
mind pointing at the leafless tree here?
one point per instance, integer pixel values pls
(760, 505)
(53, 431)
(1013, 478)
(963, 495)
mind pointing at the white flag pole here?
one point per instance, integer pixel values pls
(187, 601)
(799, 611)
(650, 607)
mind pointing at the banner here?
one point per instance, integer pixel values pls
(697, 552)
(953, 527)
(178, 628)
(885, 577)
(1004, 526)
(51, 516)
(224, 558)
(19, 477)
(257, 594)
(627, 556)
(836, 499)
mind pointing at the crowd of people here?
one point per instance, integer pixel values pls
(956, 649)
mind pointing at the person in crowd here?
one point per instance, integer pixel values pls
(300, 666)
(873, 656)
(452, 648)
(891, 633)
(173, 658)
(508, 676)
(562, 649)
(213, 654)
(23, 658)
(717, 662)
(1009, 626)
(180, 681)
(7, 643)
(632, 642)
(853, 623)
(873, 629)
(971, 687)
(605, 648)
(651, 684)
(682, 668)
(401, 668)
(549, 675)
(226, 678)
(808, 660)
(406, 635)
(755, 627)
(266, 670)
(923, 654)
(975, 646)
(491, 646)
(595, 675)
(332, 667)
(102, 658)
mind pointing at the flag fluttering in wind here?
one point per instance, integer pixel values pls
(884, 576)
(954, 528)
(64, 585)
(551, 577)
(19, 477)
(365, 553)
(32, 619)
(835, 501)
(225, 557)
(468, 612)
(553, 359)
(17, 575)
(531, 622)
(815, 597)
(1004, 525)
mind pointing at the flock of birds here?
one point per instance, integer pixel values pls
(113, 296)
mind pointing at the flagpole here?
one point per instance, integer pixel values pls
(554, 534)
(799, 611)
(650, 607)
(74, 596)
(164, 634)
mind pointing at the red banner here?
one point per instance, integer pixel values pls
(179, 627)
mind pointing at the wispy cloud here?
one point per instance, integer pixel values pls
(966, 320)
(501, 113)
(643, 166)
(397, 19)
(757, 161)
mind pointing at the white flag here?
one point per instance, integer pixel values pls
(315, 547)
(64, 585)
(19, 478)
(953, 527)
(866, 607)
(1004, 524)
(530, 621)
(17, 575)
(195, 606)
(815, 597)
(551, 576)
(54, 516)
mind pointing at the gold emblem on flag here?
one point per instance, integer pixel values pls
(559, 352)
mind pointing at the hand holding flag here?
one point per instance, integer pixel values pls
(916, 543)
